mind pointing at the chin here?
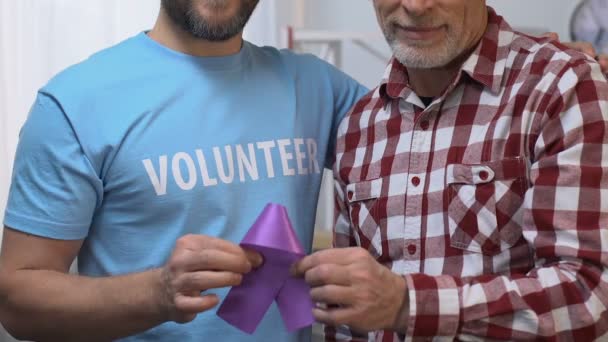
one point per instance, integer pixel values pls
(420, 58)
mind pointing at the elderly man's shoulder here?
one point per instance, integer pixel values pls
(545, 57)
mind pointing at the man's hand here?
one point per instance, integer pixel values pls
(603, 60)
(199, 263)
(587, 48)
(357, 290)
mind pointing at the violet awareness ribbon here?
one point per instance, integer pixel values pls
(271, 235)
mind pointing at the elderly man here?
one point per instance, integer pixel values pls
(471, 188)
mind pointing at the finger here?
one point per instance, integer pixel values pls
(588, 49)
(195, 304)
(603, 60)
(334, 316)
(338, 256)
(201, 281)
(584, 47)
(202, 242)
(551, 35)
(256, 259)
(333, 294)
(211, 259)
(328, 274)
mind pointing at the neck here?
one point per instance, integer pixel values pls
(171, 35)
(433, 82)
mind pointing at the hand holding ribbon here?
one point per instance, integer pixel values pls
(272, 235)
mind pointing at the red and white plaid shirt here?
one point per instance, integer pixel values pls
(492, 202)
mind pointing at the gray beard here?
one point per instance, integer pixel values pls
(418, 58)
(182, 13)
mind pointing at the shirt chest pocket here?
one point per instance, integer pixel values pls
(374, 217)
(485, 204)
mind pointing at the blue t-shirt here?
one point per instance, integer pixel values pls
(140, 145)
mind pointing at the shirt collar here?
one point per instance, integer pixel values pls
(486, 65)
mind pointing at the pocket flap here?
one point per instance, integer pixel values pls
(363, 191)
(469, 174)
(510, 168)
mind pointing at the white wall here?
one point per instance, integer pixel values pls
(357, 16)
(537, 15)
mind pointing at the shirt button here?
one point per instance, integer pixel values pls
(483, 175)
(424, 125)
(411, 249)
(416, 181)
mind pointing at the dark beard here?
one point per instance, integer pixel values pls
(182, 13)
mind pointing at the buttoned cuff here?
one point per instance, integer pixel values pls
(434, 307)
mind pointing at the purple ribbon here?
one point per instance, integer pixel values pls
(271, 235)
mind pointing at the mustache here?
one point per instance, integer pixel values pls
(416, 22)
(217, 4)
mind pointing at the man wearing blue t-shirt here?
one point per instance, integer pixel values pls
(149, 162)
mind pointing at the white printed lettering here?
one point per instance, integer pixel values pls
(202, 164)
(177, 171)
(159, 181)
(229, 159)
(226, 178)
(300, 156)
(250, 163)
(286, 157)
(267, 146)
(313, 163)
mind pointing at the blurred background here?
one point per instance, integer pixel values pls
(39, 38)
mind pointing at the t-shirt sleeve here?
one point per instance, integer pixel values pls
(347, 92)
(55, 189)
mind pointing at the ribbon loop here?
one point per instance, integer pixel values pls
(272, 235)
